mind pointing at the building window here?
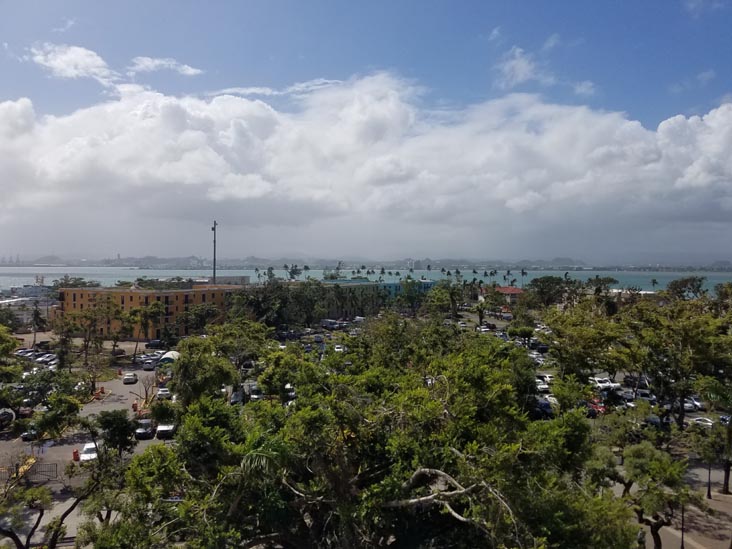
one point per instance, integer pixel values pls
(203, 298)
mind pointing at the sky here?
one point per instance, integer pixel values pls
(507, 129)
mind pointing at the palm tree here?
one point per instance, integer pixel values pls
(429, 267)
(654, 283)
(442, 270)
(523, 274)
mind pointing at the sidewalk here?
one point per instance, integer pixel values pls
(702, 531)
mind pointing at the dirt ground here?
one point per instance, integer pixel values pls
(128, 346)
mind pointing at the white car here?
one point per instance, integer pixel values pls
(88, 452)
(165, 432)
(339, 348)
(541, 386)
(164, 394)
(703, 421)
(603, 383)
(130, 378)
(697, 402)
(546, 378)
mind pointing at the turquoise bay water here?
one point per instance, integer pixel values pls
(107, 276)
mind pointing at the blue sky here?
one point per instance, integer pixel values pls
(650, 59)
(402, 76)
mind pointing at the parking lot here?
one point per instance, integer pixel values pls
(53, 455)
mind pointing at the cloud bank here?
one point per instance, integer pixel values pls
(358, 168)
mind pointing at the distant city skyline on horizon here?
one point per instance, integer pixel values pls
(319, 262)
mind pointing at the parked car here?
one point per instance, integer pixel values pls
(645, 394)
(702, 421)
(604, 383)
(657, 422)
(164, 394)
(165, 431)
(338, 348)
(237, 397)
(541, 386)
(144, 429)
(542, 410)
(149, 364)
(88, 452)
(698, 403)
(688, 406)
(634, 381)
(255, 393)
(29, 435)
(546, 378)
(130, 378)
(155, 344)
(6, 418)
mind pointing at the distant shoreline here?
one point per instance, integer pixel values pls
(388, 265)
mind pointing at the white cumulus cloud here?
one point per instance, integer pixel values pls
(65, 61)
(362, 167)
(152, 64)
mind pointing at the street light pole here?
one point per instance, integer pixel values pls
(214, 251)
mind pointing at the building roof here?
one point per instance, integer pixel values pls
(509, 290)
(196, 288)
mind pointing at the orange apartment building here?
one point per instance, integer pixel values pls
(176, 302)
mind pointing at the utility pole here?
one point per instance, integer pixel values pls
(214, 257)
